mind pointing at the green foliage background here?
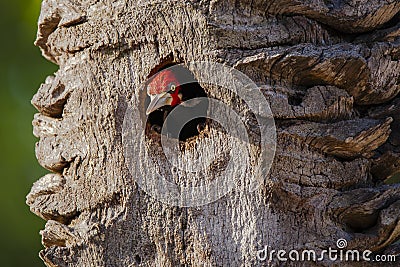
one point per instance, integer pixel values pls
(22, 69)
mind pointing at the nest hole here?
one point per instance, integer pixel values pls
(189, 88)
(360, 223)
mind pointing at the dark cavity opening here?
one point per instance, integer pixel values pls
(360, 223)
(172, 116)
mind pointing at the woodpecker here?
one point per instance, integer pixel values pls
(170, 88)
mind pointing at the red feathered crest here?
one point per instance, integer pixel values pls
(161, 81)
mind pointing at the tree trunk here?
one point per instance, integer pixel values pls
(330, 72)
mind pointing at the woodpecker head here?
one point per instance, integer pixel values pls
(164, 90)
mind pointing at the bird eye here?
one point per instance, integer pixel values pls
(172, 87)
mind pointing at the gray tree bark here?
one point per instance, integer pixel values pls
(330, 71)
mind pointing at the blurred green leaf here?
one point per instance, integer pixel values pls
(22, 69)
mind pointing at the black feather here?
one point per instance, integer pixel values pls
(190, 89)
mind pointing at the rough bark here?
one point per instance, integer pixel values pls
(330, 71)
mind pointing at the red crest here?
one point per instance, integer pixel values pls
(161, 81)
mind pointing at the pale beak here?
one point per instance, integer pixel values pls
(158, 101)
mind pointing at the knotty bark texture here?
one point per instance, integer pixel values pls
(330, 71)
